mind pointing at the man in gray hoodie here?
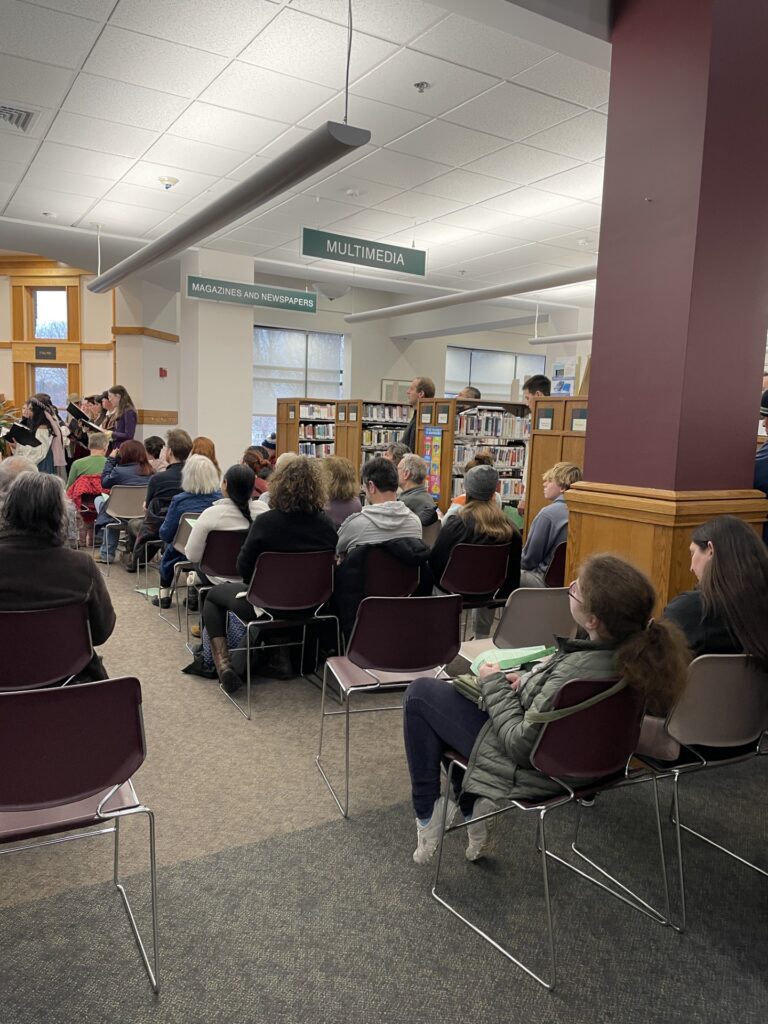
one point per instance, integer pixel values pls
(384, 518)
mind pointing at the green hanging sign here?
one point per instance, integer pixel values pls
(251, 294)
(345, 249)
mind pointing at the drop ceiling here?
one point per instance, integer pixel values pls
(495, 167)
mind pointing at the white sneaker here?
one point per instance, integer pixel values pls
(480, 835)
(428, 836)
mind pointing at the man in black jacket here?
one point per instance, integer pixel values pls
(420, 387)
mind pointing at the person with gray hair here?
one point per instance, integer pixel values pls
(93, 464)
(412, 476)
(395, 451)
(10, 468)
(38, 570)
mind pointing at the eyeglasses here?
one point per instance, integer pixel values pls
(572, 592)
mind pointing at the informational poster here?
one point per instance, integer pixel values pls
(432, 451)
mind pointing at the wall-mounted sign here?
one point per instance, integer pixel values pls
(345, 249)
(45, 351)
(251, 294)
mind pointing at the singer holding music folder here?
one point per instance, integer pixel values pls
(38, 446)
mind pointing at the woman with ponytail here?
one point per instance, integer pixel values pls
(613, 603)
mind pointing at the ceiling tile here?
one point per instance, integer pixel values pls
(569, 79)
(191, 183)
(96, 10)
(513, 274)
(512, 112)
(397, 169)
(62, 181)
(17, 148)
(11, 172)
(6, 188)
(371, 223)
(29, 203)
(579, 241)
(81, 161)
(480, 46)
(288, 137)
(527, 202)
(203, 122)
(123, 219)
(384, 122)
(397, 20)
(422, 236)
(464, 187)
(265, 93)
(28, 81)
(580, 215)
(197, 156)
(304, 211)
(239, 248)
(41, 34)
(37, 129)
(364, 193)
(418, 205)
(223, 27)
(448, 84)
(152, 198)
(313, 49)
(152, 63)
(479, 218)
(581, 137)
(582, 182)
(521, 164)
(257, 233)
(123, 103)
(287, 254)
(448, 143)
(102, 136)
(528, 228)
(474, 245)
(564, 256)
(205, 197)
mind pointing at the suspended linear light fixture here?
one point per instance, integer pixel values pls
(555, 339)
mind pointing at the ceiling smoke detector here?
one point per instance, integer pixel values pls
(422, 87)
(330, 289)
(167, 182)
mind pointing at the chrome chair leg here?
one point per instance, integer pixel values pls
(152, 970)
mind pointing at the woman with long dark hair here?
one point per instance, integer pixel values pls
(122, 417)
(34, 418)
(257, 457)
(728, 612)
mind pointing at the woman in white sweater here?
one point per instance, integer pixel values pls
(34, 418)
(232, 512)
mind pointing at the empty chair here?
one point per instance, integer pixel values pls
(555, 574)
(531, 617)
(124, 502)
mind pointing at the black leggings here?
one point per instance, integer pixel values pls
(222, 599)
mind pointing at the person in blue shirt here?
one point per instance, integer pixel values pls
(550, 526)
(761, 462)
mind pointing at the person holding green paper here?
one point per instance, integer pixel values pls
(613, 603)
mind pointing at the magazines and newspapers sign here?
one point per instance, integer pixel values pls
(243, 294)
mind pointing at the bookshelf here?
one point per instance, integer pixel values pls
(306, 426)
(558, 433)
(364, 429)
(451, 431)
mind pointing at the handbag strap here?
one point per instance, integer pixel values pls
(542, 717)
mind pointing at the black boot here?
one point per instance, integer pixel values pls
(229, 679)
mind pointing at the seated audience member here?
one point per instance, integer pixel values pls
(412, 476)
(550, 526)
(469, 394)
(479, 459)
(761, 460)
(93, 464)
(37, 570)
(161, 490)
(233, 511)
(128, 467)
(342, 487)
(479, 521)
(34, 418)
(728, 612)
(155, 447)
(295, 521)
(258, 458)
(613, 603)
(205, 446)
(200, 488)
(384, 518)
(395, 451)
(10, 468)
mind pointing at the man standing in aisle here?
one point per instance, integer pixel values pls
(420, 387)
(470, 394)
(538, 386)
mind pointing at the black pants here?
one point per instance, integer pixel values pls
(222, 599)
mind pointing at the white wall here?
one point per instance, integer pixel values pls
(96, 315)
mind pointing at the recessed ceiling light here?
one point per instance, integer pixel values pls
(167, 182)
(422, 86)
(49, 213)
(353, 193)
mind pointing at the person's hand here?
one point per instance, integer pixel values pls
(488, 669)
(514, 680)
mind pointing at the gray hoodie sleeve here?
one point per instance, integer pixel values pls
(538, 542)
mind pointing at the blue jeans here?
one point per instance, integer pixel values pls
(437, 718)
(110, 537)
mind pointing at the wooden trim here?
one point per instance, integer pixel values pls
(23, 271)
(19, 384)
(6, 344)
(67, 352)
(17, 307)
(73, 312)
(162, 417)
(42, 280)
(85, 346)
(148, 332)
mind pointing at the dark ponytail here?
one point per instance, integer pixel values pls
(239, 480)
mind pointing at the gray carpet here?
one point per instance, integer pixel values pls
(336, 923)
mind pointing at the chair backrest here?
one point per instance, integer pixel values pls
(387, 576)
(183, 531)
(555, 574)
(429, 534)
(66, 744)
(476, 569)
(532, 616)
(219, 557)
(292, 580)
(406, 634)
(126, 501)
(724, 703)
(592, 743)
(43, 646)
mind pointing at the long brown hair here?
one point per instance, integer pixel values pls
(652, 656)
(487, 519)
(134, 453)
(340, 477)
(124, 400)
(204, 446)
(734, 584)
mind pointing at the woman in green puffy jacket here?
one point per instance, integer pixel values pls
(612, 602)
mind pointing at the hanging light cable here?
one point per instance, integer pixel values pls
(349, 60)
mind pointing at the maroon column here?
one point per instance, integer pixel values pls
(682, 287)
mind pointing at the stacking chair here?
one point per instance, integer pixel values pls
(124, 503)
(179, 542)
(477, 572)
(555, 574)
(531, 617)
(594, 744)
(219, 558)
(394, 640)
(386, 576)
(724, 704)
(66, 761)
(43, 646)
(296, 583)
(431, 533)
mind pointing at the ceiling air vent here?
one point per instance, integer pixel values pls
(16, 118)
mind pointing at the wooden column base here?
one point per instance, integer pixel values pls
(650, 528)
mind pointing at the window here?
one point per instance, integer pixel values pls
(50, 312)
(53, 381)
(491, 372)
(292, 364)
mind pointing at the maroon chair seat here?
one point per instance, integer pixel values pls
(555, 574)
(476, 572)
(67, 756)
(44, 646)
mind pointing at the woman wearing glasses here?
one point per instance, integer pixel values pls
(613, 603)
